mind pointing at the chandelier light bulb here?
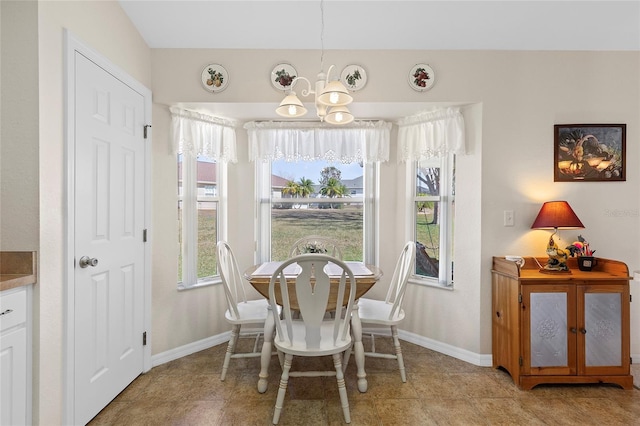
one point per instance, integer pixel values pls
(292, 110)
(339, 115)
(333, 98)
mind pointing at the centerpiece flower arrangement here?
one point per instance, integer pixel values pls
(314, 247)
(580, 248)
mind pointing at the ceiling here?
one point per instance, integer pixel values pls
(361, 24)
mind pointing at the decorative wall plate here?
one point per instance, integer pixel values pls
(354, 77)
(215, 78)
(282, 76)
(421, 77)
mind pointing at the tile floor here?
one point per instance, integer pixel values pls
(440, 390)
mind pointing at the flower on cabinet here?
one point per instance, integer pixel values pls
(580, 248)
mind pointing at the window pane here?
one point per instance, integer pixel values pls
(207, 238)
(343, 223)
(180, 195)
(207, 216)
(180, 238)
(434, 218)
(427, 238)
(428, 178)
(331, 205)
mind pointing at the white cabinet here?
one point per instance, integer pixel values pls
(15, 356)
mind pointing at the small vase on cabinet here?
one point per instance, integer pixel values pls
(585, 263)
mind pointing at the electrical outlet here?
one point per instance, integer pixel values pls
(509, 219)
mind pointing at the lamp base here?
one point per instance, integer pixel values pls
(557, 263)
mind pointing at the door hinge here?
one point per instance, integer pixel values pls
(144, 235)
(630, 298)
(520, 298)
(144, 339)
(520, 361)
(145, 129)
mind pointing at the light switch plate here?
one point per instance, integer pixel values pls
(509, 219)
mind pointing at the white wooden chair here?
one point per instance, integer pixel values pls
(313, 335)
(316, 244)
(389, 312)
(240, 311)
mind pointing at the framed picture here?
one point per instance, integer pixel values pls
(589, 152)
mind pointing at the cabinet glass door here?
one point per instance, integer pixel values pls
(549, 315)
(602, 337)
(602, 329)
(549, 329)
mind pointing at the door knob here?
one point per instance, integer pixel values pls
(86, 261)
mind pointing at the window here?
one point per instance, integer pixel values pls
(199, 179)
(432, 217)
(428, 143)
(204, 145)
(362, 145)
(301, 198)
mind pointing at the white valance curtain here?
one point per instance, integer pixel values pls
(360, 141)
(431, 134)
(197, 134)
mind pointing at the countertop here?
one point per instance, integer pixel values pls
(17, 268)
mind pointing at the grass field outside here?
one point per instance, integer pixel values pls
(344, 225)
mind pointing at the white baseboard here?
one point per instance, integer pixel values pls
(191, 348)
(482, 360)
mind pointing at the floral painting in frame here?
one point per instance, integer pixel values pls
(589, 152)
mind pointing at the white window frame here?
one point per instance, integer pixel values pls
(190, 199)
(447, 212)
(369, 200)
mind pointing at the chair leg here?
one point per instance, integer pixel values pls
(231, 348)
(284, 380)
(265, 356)
(280, 359)
(342, 389)
(346, 357)
(396, 344)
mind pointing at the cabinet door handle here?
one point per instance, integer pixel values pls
(573, 330)
(8, 311)
(583, 331)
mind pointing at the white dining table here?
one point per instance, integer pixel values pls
(366, 276)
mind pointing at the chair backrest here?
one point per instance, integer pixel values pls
(311, 282)
(316, 244)
(231, 278)
(400, 277)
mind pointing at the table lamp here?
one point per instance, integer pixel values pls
(554, 215)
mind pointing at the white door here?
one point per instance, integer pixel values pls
(109, 249)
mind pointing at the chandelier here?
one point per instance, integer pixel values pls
(331, 97)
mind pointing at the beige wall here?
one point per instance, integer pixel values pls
(516, 98)
(19, 130)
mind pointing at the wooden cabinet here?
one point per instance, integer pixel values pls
(561, 328)
(15, 356)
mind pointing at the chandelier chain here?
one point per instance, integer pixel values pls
(321, 35)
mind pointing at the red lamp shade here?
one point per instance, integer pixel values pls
(556, 214)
